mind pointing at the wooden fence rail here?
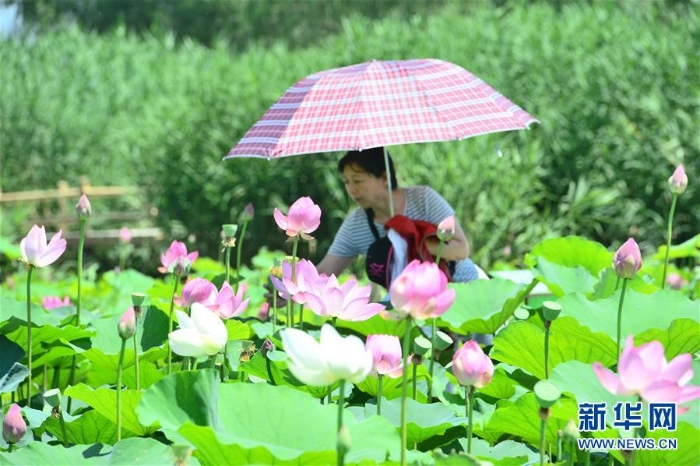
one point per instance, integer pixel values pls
(66, 196)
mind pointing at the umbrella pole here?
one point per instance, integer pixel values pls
(388, 179)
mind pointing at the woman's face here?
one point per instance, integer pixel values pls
(365, 189)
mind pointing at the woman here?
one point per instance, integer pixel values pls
(365, 178)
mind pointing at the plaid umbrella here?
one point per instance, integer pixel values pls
(380, 103)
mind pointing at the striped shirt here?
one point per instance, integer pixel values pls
(422, 203)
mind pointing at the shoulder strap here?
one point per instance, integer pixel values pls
(370, 220)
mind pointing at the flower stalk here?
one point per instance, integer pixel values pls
(170, 322)
(120, 368)
(341, 401)
(30, 269)
(238, 255)
(619, 314)
(669, 231)
(469, 399)
(404, 388)
(380, 381)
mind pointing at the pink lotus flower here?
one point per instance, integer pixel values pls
(54, 302)
(446, 229)
(304, 218)
(420, 291)
(627, 260)
(13, 426)
(83, 207)
(386, 350)
(35, 251)
(676, 281)
(226, 304)
(127, 324)
(471, 366)
(175, 251)
(678, 181)
(307, 278)
(197, 290)
(348, 301)
(644, 371)
(125, 235)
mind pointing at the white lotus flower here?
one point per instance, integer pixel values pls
(319, 364)
(203, 334)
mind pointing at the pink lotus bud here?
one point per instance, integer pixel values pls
(627, 260)
(678, 181)
(304, 217)
(125, 235)
(386, 353)
(248, 213)
(127, 324)
(266, 347)
(676, 281)
(13, 426)
(446, 229)
(421, 291)
(264, 311)
(83, 207)
(471, 366)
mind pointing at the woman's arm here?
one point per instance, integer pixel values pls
(332, 264)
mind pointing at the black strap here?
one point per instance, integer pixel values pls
(370, 219)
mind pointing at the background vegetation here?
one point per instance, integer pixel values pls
(615, 88)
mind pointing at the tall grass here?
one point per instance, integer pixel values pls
(616, 91)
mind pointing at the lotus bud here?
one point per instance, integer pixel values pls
(125, 235)
(267, 346)
(264, 311)
(676, 281)
(678, 181)
(471, 366)
(551, 310)
(446, 229)
(627, 260)
(571, 432)
(127, 324)
(248, 213)
(83, 207)
(13, 426)
(180, 266)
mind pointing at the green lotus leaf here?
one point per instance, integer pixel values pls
(522, 344)
(640, 313)
(483, 306)
(37, 453)
(104, 401)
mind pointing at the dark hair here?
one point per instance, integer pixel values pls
(371, 161)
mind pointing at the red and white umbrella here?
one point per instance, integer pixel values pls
(380, 103)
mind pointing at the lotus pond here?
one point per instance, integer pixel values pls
(200, 366)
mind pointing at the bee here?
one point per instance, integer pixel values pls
(247, 353)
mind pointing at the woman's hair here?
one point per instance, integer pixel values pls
(371, 161)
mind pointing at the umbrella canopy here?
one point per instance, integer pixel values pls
(380, 103)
